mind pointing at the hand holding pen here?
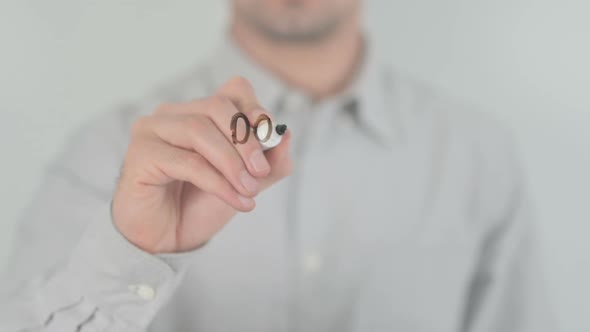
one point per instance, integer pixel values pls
(183, 177)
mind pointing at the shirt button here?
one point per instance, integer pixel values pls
(312, 263)
(145, 292)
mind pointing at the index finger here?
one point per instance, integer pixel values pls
(240, 91)
(242, 95)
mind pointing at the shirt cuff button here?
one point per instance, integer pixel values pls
(145, 292)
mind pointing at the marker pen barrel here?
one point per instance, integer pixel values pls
(275, 137)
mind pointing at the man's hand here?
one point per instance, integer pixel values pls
(183, 179)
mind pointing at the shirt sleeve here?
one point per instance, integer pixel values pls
(71, 269)
(508, 292)
(104, 283)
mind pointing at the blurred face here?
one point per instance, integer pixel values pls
(296, 20)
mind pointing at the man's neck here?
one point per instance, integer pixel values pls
(322, 68)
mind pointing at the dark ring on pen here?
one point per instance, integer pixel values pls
(261, 118)
(234, 125)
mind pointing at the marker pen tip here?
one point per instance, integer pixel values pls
(281, 129)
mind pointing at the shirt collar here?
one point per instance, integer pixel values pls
(368, 92)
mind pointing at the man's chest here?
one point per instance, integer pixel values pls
(360, 235)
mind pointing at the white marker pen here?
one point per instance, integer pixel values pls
(275, 137)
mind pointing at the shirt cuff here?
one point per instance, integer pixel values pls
(122, 280)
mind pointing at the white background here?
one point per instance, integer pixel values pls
(527, 61)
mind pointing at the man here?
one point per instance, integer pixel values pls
(386, 207)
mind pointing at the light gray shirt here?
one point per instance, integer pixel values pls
(406, 211)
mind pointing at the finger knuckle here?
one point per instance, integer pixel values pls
(240, 82)
(223, 187)
(234, 166)
(220, 102)
(192, 161)
(162, 108)
(230, 165)
(219, 185)
(140, 124)
(196, 124)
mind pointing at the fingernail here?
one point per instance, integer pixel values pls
(246, 202)
(250, 183)
(258, 161)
